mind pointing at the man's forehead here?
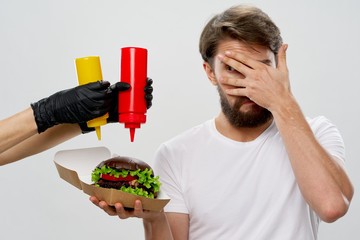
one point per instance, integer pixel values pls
(255, 51)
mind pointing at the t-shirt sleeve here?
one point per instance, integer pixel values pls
(329, 137)
(169, 171)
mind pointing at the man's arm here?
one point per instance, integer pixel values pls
(17, 128)
(179, 225)
(19, 136)
(39, 142)
(157, 225)
(321, 177)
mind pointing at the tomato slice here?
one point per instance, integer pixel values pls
(128, 178)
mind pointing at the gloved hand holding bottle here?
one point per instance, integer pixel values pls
(19, 136)
(114, 112)
(81, 104)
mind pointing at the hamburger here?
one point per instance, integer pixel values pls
(127, 174)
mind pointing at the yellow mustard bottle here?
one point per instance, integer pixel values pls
(89, 70)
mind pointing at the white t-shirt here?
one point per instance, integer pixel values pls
(239, 190)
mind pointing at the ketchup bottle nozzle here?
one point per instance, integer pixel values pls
(132, 127)
(132, 134)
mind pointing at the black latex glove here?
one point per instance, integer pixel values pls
(148, 92)
(114, 112)
(75, 105)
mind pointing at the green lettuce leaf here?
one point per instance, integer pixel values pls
(144, 178)
(137, 191)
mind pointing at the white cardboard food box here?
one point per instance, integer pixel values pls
(75, 166)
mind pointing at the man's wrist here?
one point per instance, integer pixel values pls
(158, 218)
(289, 115)
(286, 107)
(157, 227)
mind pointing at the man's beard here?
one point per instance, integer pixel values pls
(240, 119)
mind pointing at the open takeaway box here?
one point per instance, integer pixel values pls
(75, 166)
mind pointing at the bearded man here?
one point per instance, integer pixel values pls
(260, 169)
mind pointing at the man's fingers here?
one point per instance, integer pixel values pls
(103, 205)
(94, 200)
(244, 59)
(235, 82)
(282, 58)
(138, 211)
(237, 92)
(108, 209)
(120, 211)
(236, 64)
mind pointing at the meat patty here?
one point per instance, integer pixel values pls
(117, 185)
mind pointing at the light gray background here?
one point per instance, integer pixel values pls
(39, 41)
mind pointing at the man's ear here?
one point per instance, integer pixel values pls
(210, 73)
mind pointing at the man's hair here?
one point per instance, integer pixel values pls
(244, 23)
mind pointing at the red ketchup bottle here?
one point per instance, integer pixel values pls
(132, 103)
